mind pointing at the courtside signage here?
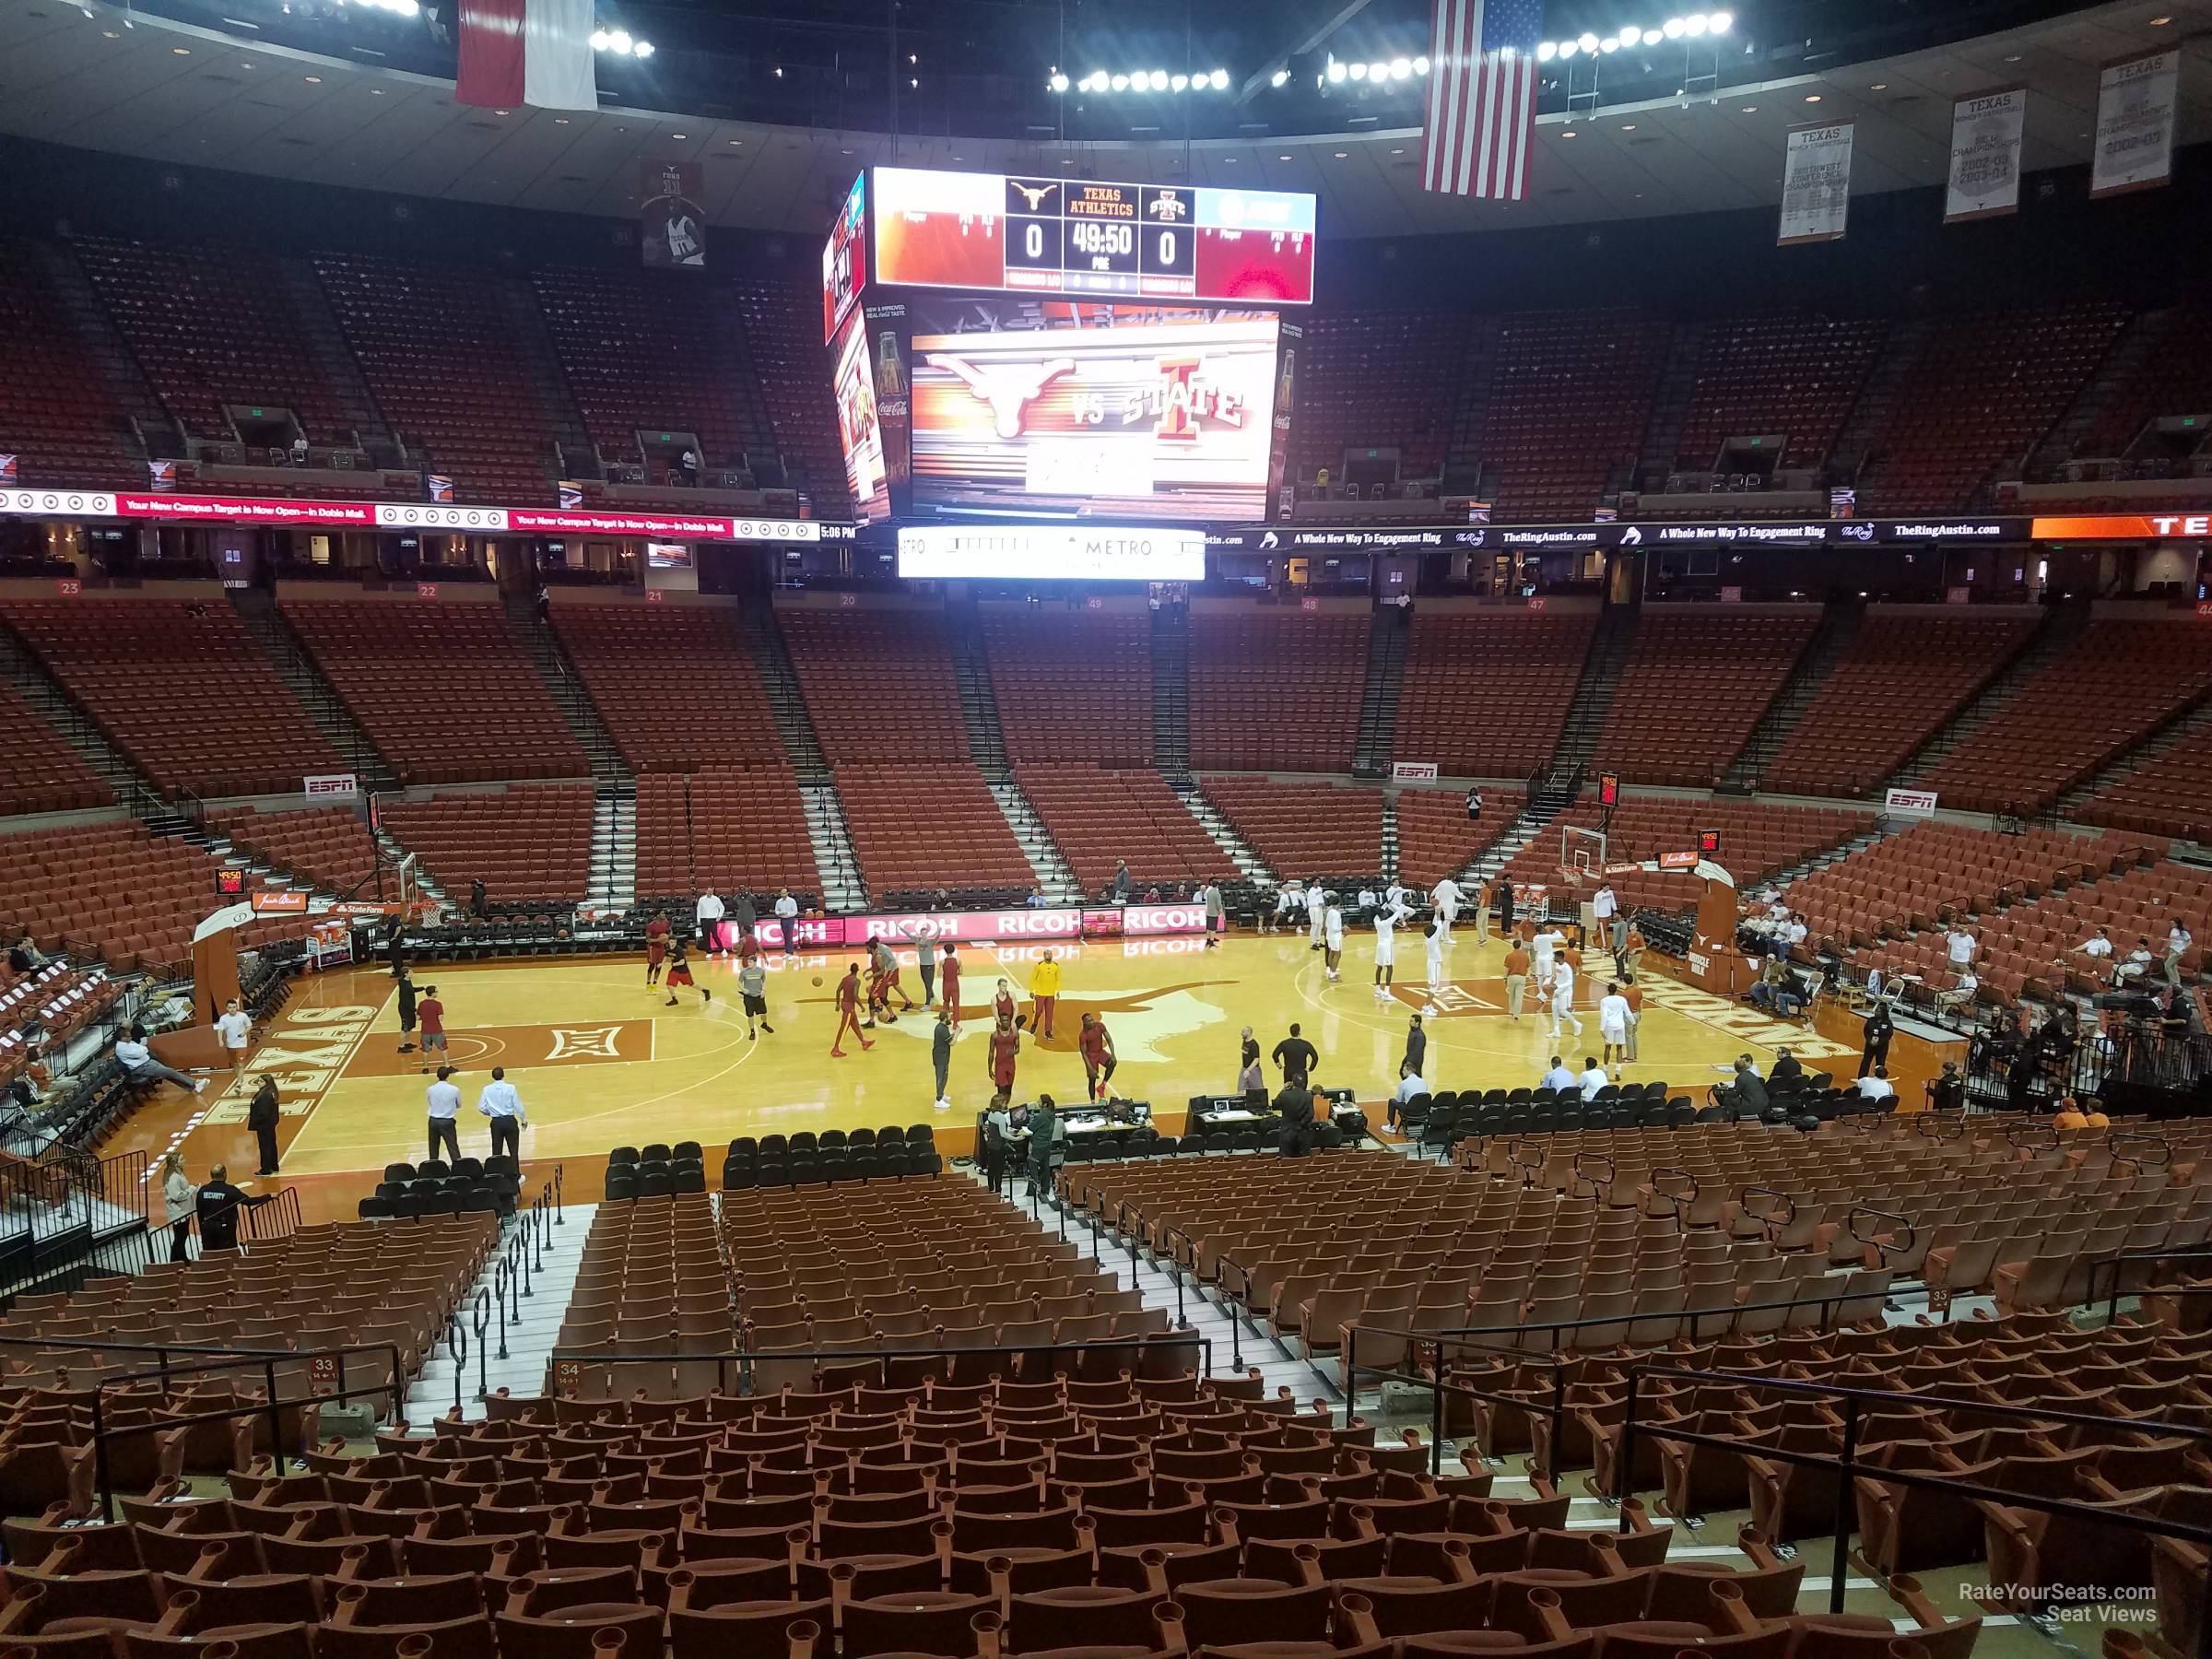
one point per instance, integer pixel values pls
(984, 927)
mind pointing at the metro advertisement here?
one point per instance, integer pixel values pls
(1054, 409)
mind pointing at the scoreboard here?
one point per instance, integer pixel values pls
(992, 232)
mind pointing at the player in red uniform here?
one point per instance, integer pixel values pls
(656, 946)
(679, 973)
(1097, 1044)
(949, 985)
(1002, 1006)
(848, 1012)
(1006, 1043)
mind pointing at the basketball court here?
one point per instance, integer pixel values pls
(601, 1061)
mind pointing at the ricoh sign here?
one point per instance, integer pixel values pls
(1053, 552)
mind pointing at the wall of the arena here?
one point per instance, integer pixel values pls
(1897, 253)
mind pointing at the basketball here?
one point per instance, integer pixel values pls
(817, 980)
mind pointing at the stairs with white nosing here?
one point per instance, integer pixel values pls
(1051, 869)
(614, 885)
(1242, 851)
(834, 860)
(530, 1340)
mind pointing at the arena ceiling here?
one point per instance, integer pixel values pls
(98, 77)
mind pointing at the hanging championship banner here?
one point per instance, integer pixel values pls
(2136, 99)
(1985, 155)
(671, 229)
(1816, 183)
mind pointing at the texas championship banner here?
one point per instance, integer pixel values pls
(1985, 155)
(1816, 183)
(2135, 100)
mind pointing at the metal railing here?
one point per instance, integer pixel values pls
(567, 1365)
(272, 1405)
(76, 1210)
(1850, 1469)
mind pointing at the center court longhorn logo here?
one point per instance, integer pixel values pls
(1009, 389)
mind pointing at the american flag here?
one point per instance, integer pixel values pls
(1482, 97)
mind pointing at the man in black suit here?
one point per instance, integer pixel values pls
(1787, 1072)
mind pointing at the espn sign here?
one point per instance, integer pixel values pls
(1910, 803)
(1413, 771)
(331, 786)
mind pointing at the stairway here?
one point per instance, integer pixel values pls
(1847, 457)
(1051, 867)
(834, 860)
(391, 853)
(529, 1336)
(1240, 852)
(978, 703)
(1530, 823)
(1390, 834)
(781, 683)
(296, 669)
(1463, 459)
(2145, 333)
(745, 388)
(20, 668)
(1662, 445)
(1172, 691)
(1836, 854)
(614, 885)
(1593, 702)
(126, 382)
(333, 358)
(1379, 695)
(2059, 624)
(562, 683)
(2193, 724)
(1838, 627)
(518, 299)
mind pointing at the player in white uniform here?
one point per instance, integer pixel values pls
(1317, 903)
(1386, 947)
(1562, 1000)
(1613, 1017)
(1434, 939)
(1445, 895)
(1543, 952)
(1332, 940)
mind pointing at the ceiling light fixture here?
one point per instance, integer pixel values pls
(1812, 98)
(182, 51)
(1218, 80)
(1546, 51)
(1280, 77)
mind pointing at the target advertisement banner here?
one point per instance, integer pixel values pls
(2136, 99)
(1816, 183)
(1986, 129)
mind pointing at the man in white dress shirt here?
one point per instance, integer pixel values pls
(444, 1098)
(504, 1107)
(135, 1058)
(711, 911)
(787, 918)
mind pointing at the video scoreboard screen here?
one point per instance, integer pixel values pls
(1084, 239)
(846, 259)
